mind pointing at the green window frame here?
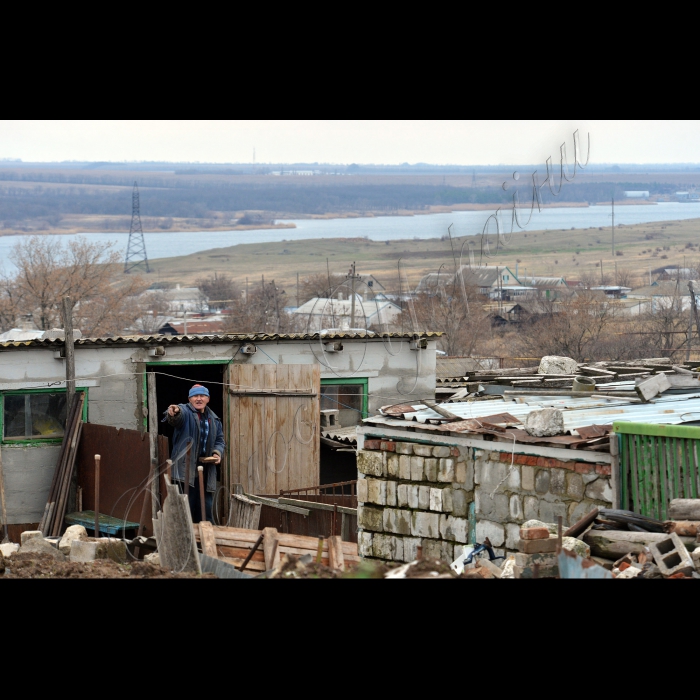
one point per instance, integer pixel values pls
(35, 442)
(363, 382)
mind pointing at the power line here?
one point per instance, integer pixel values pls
(136, 255)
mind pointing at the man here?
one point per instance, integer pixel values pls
(197, 426)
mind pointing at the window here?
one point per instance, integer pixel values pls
(31, 416)
(350, 399)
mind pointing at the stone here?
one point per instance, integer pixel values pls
(423, 450)
(485, 506)
(534, 533)
(404, 448)
(500, 501)
(430, 467)
(516, 508)
(548, 546)
(532, 507)
(514, 481)
(448, 552)
(529, 573)
(512, 536)
(600, 491)
(369, 518)
(410, 549)
(371, 463)
(454, 529)
(461, 472)
(435, 500)
(469, 483)
(446, 471)
(402, 495)
(546, 423)
(365, 542)
(533, 524)
(557, 482)
(529, 560)
(441, 452)
(76, 532)
(575, 487)
(153, 559)
(25, 537)
(508, 571)
(589, 478)
(376, 492)
(417, 469)
(7, 550)
(542, 481)
(490, 474)
(425, 525)
(387, 548)
(391, 489)
(424, 497)
(447, 500)
(86, 551)
(362, 491)
(460, 504)
(528, 482)
(392, 466)
(492, 531)
(397, 522)
(432, 549)
(414, 497)
(551, 511)
(404, 468)
(578, 511)
(38, 545)
(553, 364)
(571, 544)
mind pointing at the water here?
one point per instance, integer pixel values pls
(390, 228)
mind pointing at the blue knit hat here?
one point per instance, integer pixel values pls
(198, 390)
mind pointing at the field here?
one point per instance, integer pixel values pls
(568, 254)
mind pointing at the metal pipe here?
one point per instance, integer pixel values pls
(252, 553)
(98, 459)
(202, 499)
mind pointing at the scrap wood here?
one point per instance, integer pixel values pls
(582, 525)
(684, 529)
(630, 518)
(613, 545)
(594, 431)
(685, 509)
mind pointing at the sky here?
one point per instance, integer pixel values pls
(342, 141)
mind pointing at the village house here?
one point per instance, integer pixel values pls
(490, 281)
(268, 390)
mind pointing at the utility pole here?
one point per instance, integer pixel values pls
(602, 276)
(70, 352)
(136, 249)
(353, 277)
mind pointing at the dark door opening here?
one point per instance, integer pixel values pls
(173, 384)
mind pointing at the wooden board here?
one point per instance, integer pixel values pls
(274, 439)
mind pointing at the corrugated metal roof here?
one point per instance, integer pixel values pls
(146, 340)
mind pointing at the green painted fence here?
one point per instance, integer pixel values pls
(658, 463)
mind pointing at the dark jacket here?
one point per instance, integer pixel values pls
(188, 431)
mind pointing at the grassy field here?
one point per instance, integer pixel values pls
(568, 254)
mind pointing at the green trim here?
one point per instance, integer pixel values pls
(170, 363)
(353, 382)
(682, 432)
(37, 442)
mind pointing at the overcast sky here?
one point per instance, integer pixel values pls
(387, 141)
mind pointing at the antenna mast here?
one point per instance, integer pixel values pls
(136, 250)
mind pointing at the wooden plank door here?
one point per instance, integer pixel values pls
(274, 417)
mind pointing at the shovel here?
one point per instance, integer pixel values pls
(4, 507)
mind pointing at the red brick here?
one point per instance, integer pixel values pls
(531, 461)
(388, 446)
(521, 459)
(455, 452)
(534, 533)
(603, 469)
(569, 466)
(548, 546)
(541, 462)
(583, 468)
(373, 445)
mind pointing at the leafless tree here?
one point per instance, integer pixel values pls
(319, 286)
(220, 290)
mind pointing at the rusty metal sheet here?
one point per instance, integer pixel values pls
(501, 418)
(594, 431)
(124, 470)
(399, 409)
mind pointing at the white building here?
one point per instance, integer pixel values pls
(377, 314)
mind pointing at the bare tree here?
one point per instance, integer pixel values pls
(220, 290)
(319, 286)
(262, 312)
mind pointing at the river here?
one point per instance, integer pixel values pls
(165, 245)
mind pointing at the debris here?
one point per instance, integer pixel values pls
(509, 569)
(152, 559)
(613, 545)
(221, 569)
(7, 550)
(546, 423)
(89, 550)
(672, 557)
(696, 558)
(572, 566)
(558, 365)
(534, 533)
(38, 545)
(582, 525)
(2, 564)
(548, 546)
(74, 532)
(577, 547)
(496, 571)
(29, 535)
(685, 510)
(683, 529)
(625, 517)
(629, 573)
(535, 566)
(652, 387)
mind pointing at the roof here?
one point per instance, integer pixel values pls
(149, 340)
(328, 307)
(448, 367)
(544, 281)
(194, 327)
(664, 288)
(482, 277)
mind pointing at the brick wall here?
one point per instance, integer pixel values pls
(413, 495)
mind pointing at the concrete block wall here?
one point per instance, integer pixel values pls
(413, 495)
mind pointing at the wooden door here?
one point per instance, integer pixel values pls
(275, 414)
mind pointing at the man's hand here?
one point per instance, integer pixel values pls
(216, 457)
(173, 411)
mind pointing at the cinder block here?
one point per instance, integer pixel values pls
(529, 573)
(423, 450)
(441, 452)
(402, 495)
(404, 448)
(371, 463)
(362, 491)
(417, 472)
(397, 522)
(696, 559)
(424, 497)
(413, 497)
(369, 518)
(454, 529)
(84, 552)
(672, 557)
(447, 498)
(538, 546)
(534, 533)
(425, 525)
(530, 560)
(460, 503)
(391, 489)
(435, 500)
(365, 542)
(404, 468)
(529, 478)
(376, 492)
(430, 467)
(410, 549)
(446, 471)
(30, 535)
(392, 466)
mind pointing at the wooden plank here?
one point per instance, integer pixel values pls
(336, 557)
(241, 553)
(271, 548)
(613, 545)
(269, 403)
(295, 409)
(245, 433)
(229, 436)
(284, 428)
(280, 506)
(685, 509)
(153, 425)
(634, 450)
(206, 534)
(318, 506)
(663, 475)
(315, 467)
(253, 566)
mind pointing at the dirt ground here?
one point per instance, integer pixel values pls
(42, 566)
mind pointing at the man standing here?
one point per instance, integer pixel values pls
(198, 427)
